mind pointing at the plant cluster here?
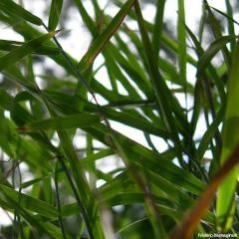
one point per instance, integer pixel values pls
(57, 128)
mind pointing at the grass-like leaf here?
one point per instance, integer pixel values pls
(55, 13)
(26, 49)
(15, 10)
(225, 202)
(158, 85)
(67, 122)
(191, 221)
(103, 39)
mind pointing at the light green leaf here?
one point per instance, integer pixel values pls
(226, 200)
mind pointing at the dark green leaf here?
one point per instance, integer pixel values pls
(55, 13)
(65, 122)
(13, 9)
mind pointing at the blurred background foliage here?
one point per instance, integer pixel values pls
(112, 127)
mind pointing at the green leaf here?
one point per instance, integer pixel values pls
(226, 197)
(30, 203)
(80, 120)
(13, 9)
(213, 49)
(42, 50)
(55, 13)
(7, 135)
(188, 226)
(166, 102)
(230, 20)
(158, 26)
(150, 160)
(182, 43)
(103, 38)
(209, 134)
(216, 28)
(135, 120)
(26, 49)
(88, 21)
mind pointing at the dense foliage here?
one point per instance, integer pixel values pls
(69, 166)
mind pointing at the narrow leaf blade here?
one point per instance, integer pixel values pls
(55, 13)
(226, 200)
(64, 122)
(26, 49)
(13, 9)
(103, 39)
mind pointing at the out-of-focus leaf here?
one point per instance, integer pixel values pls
(158, 26)
(183, 45)
(230, 20)
(15, 10)
(88, 21)
(55, 13)
(226, 194)
(213, 49)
